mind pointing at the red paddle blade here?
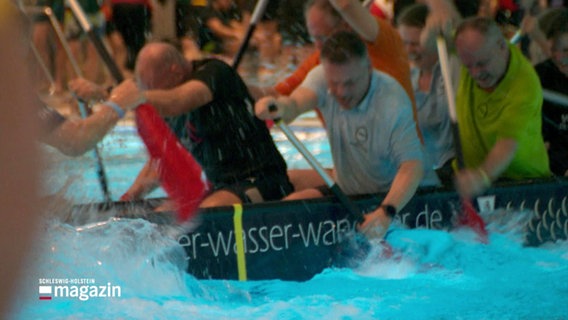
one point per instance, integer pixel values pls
(269, 123)
(472, 219)
(180, 174)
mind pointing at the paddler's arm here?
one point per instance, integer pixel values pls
(74, 137)
(170, 102)
(472, 182)
(287, 108)
(402, 189)
(87, 90)
(443, 17)
(181, 99)
(146, 182)
(358, 17)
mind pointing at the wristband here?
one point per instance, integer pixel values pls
(116, 108)
(485, 177)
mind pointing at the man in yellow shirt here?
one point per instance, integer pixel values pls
(499, 104)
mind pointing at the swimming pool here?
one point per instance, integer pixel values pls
(434, 275)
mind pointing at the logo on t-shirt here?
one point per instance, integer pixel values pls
(361, 137)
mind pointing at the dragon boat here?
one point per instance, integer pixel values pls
(295, 240)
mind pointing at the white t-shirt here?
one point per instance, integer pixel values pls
(369, 142)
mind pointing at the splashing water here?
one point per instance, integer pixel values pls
(431, 275)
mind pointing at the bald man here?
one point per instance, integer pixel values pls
(211, 111)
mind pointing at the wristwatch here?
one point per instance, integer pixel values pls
(390, 210)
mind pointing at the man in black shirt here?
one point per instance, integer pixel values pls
(211, 111)
(553, 74)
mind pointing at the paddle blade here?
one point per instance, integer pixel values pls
(180, 174)
(472, 219)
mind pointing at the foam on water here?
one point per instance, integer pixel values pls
(431, 275)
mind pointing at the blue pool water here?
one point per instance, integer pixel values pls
(433, 275)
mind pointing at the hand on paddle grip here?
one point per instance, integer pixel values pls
(472, 182)
(267, 108)
(375, 224)
(127, 95)
(87, 90)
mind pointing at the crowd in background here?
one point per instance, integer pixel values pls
(201, 28)
(197, 27)
(217, 27)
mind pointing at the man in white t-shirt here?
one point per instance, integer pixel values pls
(374, 144)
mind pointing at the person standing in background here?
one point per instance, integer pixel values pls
(114, 38)
(163, 20)
(42, 37)
(188, 22)
(131, 19)
(553, 74)
(222, 29)
(75, 36)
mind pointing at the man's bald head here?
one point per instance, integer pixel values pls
(160, 66)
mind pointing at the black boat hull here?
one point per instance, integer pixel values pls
(294, 240)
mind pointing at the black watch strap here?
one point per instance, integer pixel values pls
(389, 210)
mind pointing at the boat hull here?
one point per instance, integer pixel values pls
(295, 240)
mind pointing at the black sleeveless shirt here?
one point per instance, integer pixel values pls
(225, 137)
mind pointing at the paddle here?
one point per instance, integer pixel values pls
(179, 172)
(351, 252)
(348, 204)
(258, 11)
(469, 216)
(555, 97)
(82, 108)
(516, 38)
